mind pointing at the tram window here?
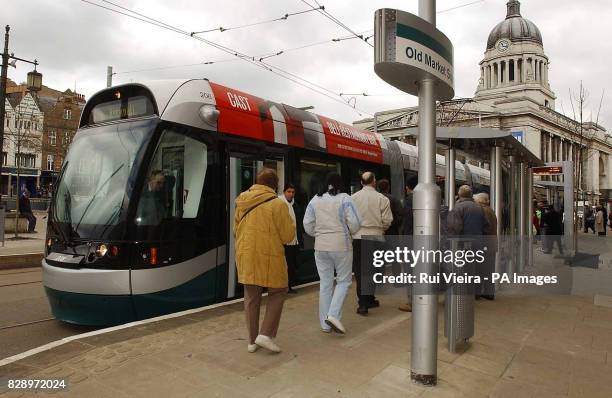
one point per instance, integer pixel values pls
(175, 180)
(313, 174)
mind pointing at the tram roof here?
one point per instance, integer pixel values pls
(210, 106)
(479, 141)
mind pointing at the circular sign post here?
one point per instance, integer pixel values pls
(413, 56)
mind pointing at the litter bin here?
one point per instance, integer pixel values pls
(458, 305)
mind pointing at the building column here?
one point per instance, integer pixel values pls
(507, 72)
(549, 157)
(499, 74)
(524, 69)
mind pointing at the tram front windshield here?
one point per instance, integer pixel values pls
(90, 195)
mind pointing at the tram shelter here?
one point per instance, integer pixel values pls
(512, 168)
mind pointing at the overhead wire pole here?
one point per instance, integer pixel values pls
(424, 353)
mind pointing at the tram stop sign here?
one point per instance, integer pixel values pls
(408, 49)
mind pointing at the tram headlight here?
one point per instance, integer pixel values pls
(101, 250)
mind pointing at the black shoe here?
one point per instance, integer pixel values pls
(291, 291)
(363, 311)
(490, 297)
(373, 304)
(477, 296)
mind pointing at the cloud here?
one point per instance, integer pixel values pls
(74, 42)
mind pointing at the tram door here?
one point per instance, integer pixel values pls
(243, 169)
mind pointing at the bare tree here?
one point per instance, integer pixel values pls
(26, 139)
(583, 135)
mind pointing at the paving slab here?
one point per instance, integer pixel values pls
(524, 346)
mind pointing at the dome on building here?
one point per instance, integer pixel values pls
(514, 28)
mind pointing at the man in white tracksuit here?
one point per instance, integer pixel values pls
(375, 213)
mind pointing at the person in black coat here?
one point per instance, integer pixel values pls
(396, 208)
(552, 227)
(25, 209)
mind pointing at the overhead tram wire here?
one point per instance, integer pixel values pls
(307, 84)
(321, 10)
(175, 66)
(283, 18)
(461, 6)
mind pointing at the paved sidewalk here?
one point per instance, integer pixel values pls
(523, 347)
(544, 346)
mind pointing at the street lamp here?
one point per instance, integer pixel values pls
(34, 79)
(34, 84)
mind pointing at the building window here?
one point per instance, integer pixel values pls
(66, 139)
(50, 162)
(67, 114)
(25, 160)
(7, 122)
(4, 158)
(52, 138)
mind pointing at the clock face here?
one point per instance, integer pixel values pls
(503, 45)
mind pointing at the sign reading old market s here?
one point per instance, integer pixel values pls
(408, 49)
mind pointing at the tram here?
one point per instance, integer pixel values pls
(140, 222)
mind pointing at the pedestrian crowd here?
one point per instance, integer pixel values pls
(268, 232)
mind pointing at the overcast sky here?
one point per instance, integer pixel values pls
(75, 41)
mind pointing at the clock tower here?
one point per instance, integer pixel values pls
(515, 67)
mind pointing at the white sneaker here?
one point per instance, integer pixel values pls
(335, 324)
(326, 330)
(267, 343)
(252, 348)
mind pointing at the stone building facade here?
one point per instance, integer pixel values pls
(514, 94)
(23, 131)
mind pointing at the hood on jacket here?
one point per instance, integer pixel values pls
(253, 197)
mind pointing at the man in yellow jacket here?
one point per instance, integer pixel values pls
(262, 226)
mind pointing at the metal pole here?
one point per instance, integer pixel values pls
(498, 188)
(530, 216)
(450, 178)
(426, 230)
(522, 232)
(3, 76)
(498, 199)
(512, 214)
(109, 76)
(568, 202)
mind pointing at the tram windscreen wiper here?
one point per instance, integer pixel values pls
(76, 228)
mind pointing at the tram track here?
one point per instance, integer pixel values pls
(17, 325)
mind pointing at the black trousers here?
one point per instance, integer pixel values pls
(31, 221)
(291, 255)
(363, 277)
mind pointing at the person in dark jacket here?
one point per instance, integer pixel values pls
(25, 209)
(467, 218)
(552, 228)
(396, 208)
(292, 248)
(486, 288)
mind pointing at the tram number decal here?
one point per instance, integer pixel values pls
(239, 101)
(206, 95)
